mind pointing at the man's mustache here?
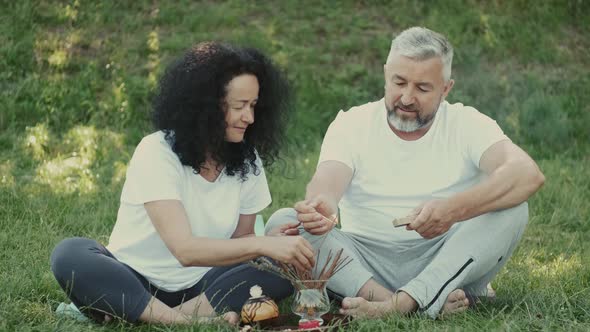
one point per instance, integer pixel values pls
(410, 107)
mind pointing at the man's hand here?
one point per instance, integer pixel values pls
(432, 219)
(293, 250)
(316, 215)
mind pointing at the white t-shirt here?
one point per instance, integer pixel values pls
(391, 176)
(213, 208)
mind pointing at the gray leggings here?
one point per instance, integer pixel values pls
(468, 256)
(97, 283)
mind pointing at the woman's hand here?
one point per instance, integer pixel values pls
(293, 250)
(286, 229)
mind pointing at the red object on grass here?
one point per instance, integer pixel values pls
(309, 324)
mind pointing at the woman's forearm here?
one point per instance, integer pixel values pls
(201, 251)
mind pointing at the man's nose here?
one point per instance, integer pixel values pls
(407, 97)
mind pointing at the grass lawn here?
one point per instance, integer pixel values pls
(76, 78)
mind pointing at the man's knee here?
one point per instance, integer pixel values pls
(279, 218)
(516, 217)
(500, 223)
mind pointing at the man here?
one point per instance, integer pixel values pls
(446, 169)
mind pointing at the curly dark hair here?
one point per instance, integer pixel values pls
(190, 106)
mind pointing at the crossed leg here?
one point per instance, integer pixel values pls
(94, 280)
(468, 258)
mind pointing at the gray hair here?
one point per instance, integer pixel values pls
(422, 44)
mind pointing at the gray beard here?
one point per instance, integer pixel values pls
(408, 125)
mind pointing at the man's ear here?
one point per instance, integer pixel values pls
(448, 87)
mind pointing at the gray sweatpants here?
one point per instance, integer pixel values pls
(468, 257)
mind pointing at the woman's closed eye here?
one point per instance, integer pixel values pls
(239, 106)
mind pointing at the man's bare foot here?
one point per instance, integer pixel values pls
(401, 303)
(359, 307)
(456, 302)
(491, 292)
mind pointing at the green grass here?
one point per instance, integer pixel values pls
(76, 80)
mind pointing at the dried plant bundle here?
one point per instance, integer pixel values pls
(331, 266)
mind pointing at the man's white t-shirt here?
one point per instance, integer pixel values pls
(391, 176)
(213, 208)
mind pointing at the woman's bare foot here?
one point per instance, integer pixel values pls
(456, 302)
(401, 303)
(231, 318)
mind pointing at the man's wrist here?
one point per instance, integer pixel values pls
(457, 208)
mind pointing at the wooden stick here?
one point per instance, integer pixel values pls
(398, 222)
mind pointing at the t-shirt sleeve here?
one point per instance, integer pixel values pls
(336, 145)
(481, 133)
(154, 173)
(255, 195)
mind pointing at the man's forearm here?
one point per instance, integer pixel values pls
(315, 188)
(319, 210)
(508, 186)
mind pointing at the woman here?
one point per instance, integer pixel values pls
(185, 225)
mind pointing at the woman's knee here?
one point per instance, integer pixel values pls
(66, 253)
(279, 218)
